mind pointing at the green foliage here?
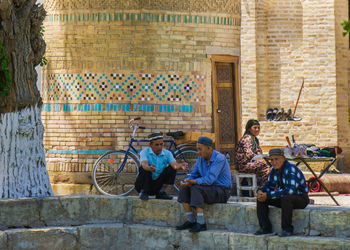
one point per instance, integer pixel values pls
(43, 60)
(5, 75)
(346, 27)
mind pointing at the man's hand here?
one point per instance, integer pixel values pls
(188, 183)
(261, 196)
(185, 184)
(150, 168)
(183, 165)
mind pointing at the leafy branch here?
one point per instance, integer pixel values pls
(346, 27)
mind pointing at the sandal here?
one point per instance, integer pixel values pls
(279, 115)
(269, 114)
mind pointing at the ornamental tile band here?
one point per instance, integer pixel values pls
(145, 17)
(122, 86)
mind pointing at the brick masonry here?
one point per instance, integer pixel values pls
(110, 61)
(283, 42)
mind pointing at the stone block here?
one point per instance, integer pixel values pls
(78, 210)
(204, 240)
(102, 236)
(330, 222)
(148, 237)
(19, 213)
(236, 218)
(3, 240)
(247, 242)
(48, 238)
(306, 243)
(156, 212)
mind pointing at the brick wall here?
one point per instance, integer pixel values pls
(283, 42)
(110, 61)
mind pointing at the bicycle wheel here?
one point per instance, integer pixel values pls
(114, 173)
(188, 155)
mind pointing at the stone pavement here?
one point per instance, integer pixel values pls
(103, 222)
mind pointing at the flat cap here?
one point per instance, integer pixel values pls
(276, 151)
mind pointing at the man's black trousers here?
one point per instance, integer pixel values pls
(287, 204)
(197, 195)
(145, 182)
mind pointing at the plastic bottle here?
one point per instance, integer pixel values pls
(227, 157)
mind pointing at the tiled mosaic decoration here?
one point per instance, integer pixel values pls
(123, 86)
(145, 17)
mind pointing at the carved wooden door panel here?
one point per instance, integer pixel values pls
(225, 106)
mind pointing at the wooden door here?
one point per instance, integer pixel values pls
(226, 103)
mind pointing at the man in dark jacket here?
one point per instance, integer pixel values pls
(285, 188)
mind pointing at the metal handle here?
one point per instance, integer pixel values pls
(218, 110)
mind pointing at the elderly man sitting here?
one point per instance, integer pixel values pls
(285, 188)
(158, 169)
(209, 182)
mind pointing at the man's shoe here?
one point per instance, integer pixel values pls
(144, 196)
(198, 228)
(163, 196)
(186, 225)
(285, 233)
(263, 231)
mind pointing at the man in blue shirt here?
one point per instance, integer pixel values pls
(285, 188)
(158, 169)
(209, 182)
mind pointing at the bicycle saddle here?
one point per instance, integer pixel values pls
(176, 134)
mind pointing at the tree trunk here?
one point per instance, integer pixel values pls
(22, 160)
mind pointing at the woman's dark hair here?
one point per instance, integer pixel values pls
(250, 124)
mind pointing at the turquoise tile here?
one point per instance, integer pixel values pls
(71, 17)
(163, 17)
(200, 19)
(133, 17)
(185, 19)
(110, 16)
(151, 17)
(157, 17)
(205, 19)
(104, 17)
(127, 16)
(145, 17)
(139, 16)
(195, 19)
(115, 16)
(173, 18)
(84, 17)
(168, 18)
(121, 16)
(178, 18)
(190, 19)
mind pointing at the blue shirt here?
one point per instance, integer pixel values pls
(286, 181)
(216, 172)
(160, 161)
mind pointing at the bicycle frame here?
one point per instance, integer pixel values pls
(131, 149)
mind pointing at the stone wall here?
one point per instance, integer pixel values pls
(110, 61)
(283, 42)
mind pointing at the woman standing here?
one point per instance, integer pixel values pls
(248, 147)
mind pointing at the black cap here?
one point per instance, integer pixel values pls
(276, 151)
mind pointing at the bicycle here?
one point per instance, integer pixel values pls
(114, 173)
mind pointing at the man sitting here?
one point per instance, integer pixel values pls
(158, 169)
(209, 182)
(285, 188)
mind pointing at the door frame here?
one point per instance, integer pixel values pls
(237, 95)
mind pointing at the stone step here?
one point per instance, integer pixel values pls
(232, 217)
(136, 236)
